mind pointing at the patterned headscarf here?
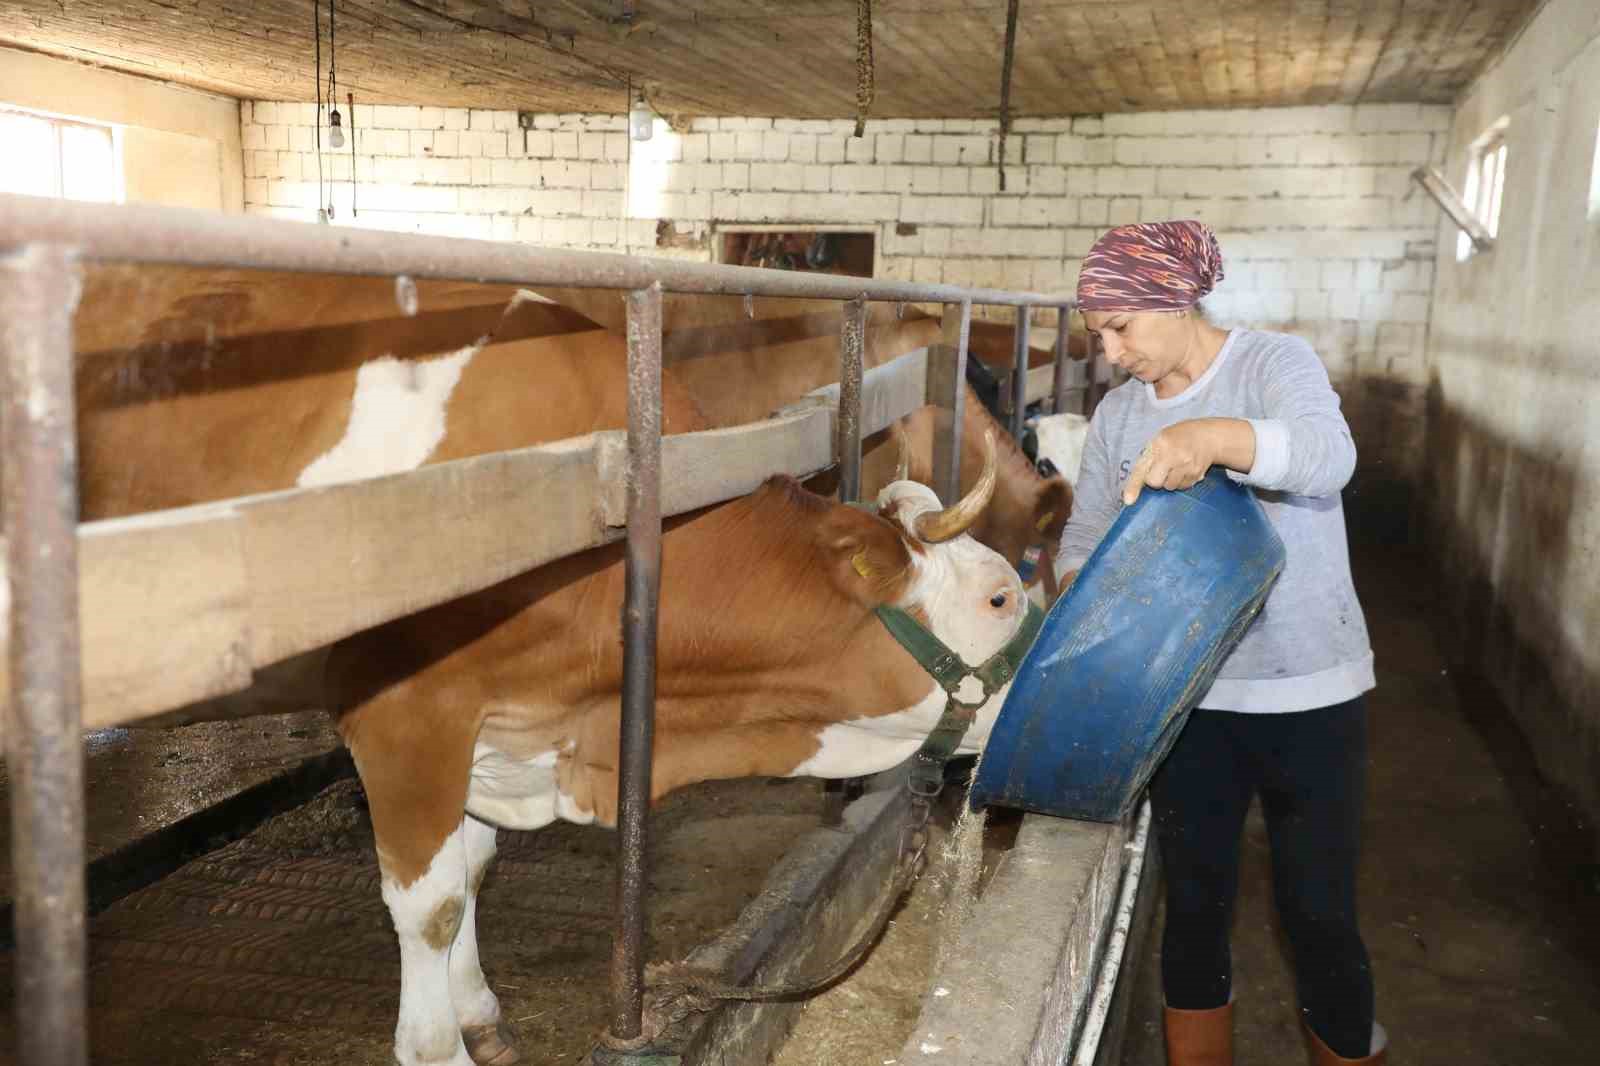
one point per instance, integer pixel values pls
(1150, 266)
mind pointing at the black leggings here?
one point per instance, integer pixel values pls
(1310, 769)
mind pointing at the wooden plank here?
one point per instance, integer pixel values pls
(700, 469)
(185, 605)
(156, 635)
(889, 392)
(328, 562)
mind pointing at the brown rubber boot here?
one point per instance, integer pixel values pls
(1322, 1055)
(1200, 1037)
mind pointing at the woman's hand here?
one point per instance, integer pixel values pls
(1180, 455)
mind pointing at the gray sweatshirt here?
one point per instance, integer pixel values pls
(1308, 647)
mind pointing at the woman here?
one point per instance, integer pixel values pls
(1285, 718)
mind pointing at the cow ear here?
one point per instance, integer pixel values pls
(867, 557)
(1052, 509)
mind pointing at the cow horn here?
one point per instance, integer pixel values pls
(956, 520)
(902, 470)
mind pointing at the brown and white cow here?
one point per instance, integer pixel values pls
(740, 361)
(501, 709)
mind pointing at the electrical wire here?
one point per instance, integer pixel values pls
(316, 72)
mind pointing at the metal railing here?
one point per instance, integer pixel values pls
(41, 243)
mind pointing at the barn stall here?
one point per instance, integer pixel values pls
(1438, 324)
(123, 356)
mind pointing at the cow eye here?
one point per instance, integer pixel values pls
(997, 600)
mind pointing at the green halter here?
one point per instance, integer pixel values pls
(949, 670)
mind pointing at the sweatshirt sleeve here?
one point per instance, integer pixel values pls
(1094, 501)
(1303, 444)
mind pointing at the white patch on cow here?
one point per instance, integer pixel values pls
(428, 1031)
(1061, 438)
(952, 583)
(476, 1005)
(519, 793)
(397, 418)
(864, 746)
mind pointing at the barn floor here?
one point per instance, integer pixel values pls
(1480, 905)
(278, 948)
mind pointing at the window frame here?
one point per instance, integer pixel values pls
(1483, 192)
(58, 123)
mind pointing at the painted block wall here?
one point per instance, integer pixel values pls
(1322, 230)
(1511, 484)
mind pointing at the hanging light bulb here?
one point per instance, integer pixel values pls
(641, 121)
(335, 131)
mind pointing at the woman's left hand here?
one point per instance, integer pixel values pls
(1175, 458)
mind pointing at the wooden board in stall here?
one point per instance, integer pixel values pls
(266, 577)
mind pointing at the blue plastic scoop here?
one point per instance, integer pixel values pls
(1129, 650)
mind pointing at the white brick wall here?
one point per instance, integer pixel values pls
(1320, 228)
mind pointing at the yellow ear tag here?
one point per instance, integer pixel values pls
(859, 561)
(1044, 522)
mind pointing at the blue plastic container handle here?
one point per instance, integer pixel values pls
(1129, 650)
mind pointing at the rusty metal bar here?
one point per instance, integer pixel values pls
(1093, 390)
(640, 610)
(1019, 371)
(146, 234)
(1058, 384)
(837, 793)
(852, 356)
(39, 290)
(947, 393)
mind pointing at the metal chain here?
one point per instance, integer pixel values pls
(1005, 87)
(865, 87)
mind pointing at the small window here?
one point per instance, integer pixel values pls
(816, 249)
(45, 156)
(1486, 181)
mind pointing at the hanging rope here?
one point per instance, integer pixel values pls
(1005, 86)
(865, 89)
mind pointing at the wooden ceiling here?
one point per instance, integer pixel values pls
(795, 58)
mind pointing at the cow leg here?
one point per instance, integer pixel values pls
(427, 915)
(416, 767)
(489, 1042)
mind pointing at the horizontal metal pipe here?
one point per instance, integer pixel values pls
(148, 234)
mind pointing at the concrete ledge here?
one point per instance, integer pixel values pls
(802, 920)
(1015, 988)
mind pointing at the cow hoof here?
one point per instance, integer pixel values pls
(491, 1045)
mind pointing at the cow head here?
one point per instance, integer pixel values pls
(917, 555)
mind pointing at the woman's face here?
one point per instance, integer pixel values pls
(1149, 345)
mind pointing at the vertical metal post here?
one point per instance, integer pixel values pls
(1058, 384)
(1092, 391)
(837, 792)
(39, 290)
(852, 355)
(641, 603)
(1019, 372)
(947, 393)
